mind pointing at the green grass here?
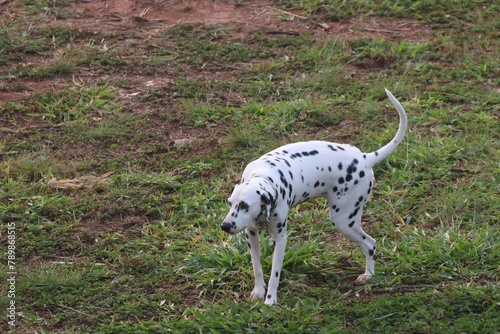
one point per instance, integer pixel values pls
(142, 251)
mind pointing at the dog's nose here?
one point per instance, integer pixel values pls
(226, 227)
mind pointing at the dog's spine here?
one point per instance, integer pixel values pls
(379, 155)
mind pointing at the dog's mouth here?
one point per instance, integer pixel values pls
(231, 228)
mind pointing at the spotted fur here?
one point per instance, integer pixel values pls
(295, 173)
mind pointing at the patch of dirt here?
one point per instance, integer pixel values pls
(146, 18)
(96, 225)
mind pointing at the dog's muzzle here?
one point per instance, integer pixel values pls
(226, 227)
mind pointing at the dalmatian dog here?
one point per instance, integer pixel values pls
(295, 173)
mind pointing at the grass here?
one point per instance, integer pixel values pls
(142, 250)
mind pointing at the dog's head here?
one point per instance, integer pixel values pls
(249, 203)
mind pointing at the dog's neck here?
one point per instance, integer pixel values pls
(266, 183)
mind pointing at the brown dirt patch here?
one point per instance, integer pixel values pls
(146, 18)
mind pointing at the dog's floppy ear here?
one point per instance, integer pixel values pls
(265, 204)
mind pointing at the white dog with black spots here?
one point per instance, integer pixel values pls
(295, 173)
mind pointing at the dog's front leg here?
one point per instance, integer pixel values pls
(259, 289)
(274, 281)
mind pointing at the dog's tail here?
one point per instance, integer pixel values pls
(379, 155)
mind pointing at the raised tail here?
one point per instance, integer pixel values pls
(379, 155)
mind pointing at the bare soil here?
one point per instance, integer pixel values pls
(144, 19)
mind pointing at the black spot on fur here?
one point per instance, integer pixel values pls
(284, 160)
(352, 167)
(282, 178)
(371, 252)
(269, 296)
(340, 148)
(332, 148)
(264, 199)
(341, 180)
(351, 224)
(316, 184)
(354, 213)
(340, 166)
(282, 192)
(276, 274)
(348, 177)
(329, 168)
(335, 189)
(322, 184)
(291, 174)
(362, 173)
(270, 163)
(243, 206)
(313, 152)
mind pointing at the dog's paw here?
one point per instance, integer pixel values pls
(258, 293)
(270, 300)
(363, 278)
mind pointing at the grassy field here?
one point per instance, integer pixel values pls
(118, 149)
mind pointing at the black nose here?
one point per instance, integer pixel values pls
(226, 227)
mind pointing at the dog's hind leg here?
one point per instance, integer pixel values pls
(349, 224)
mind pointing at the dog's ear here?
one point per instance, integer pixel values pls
(265, 204)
